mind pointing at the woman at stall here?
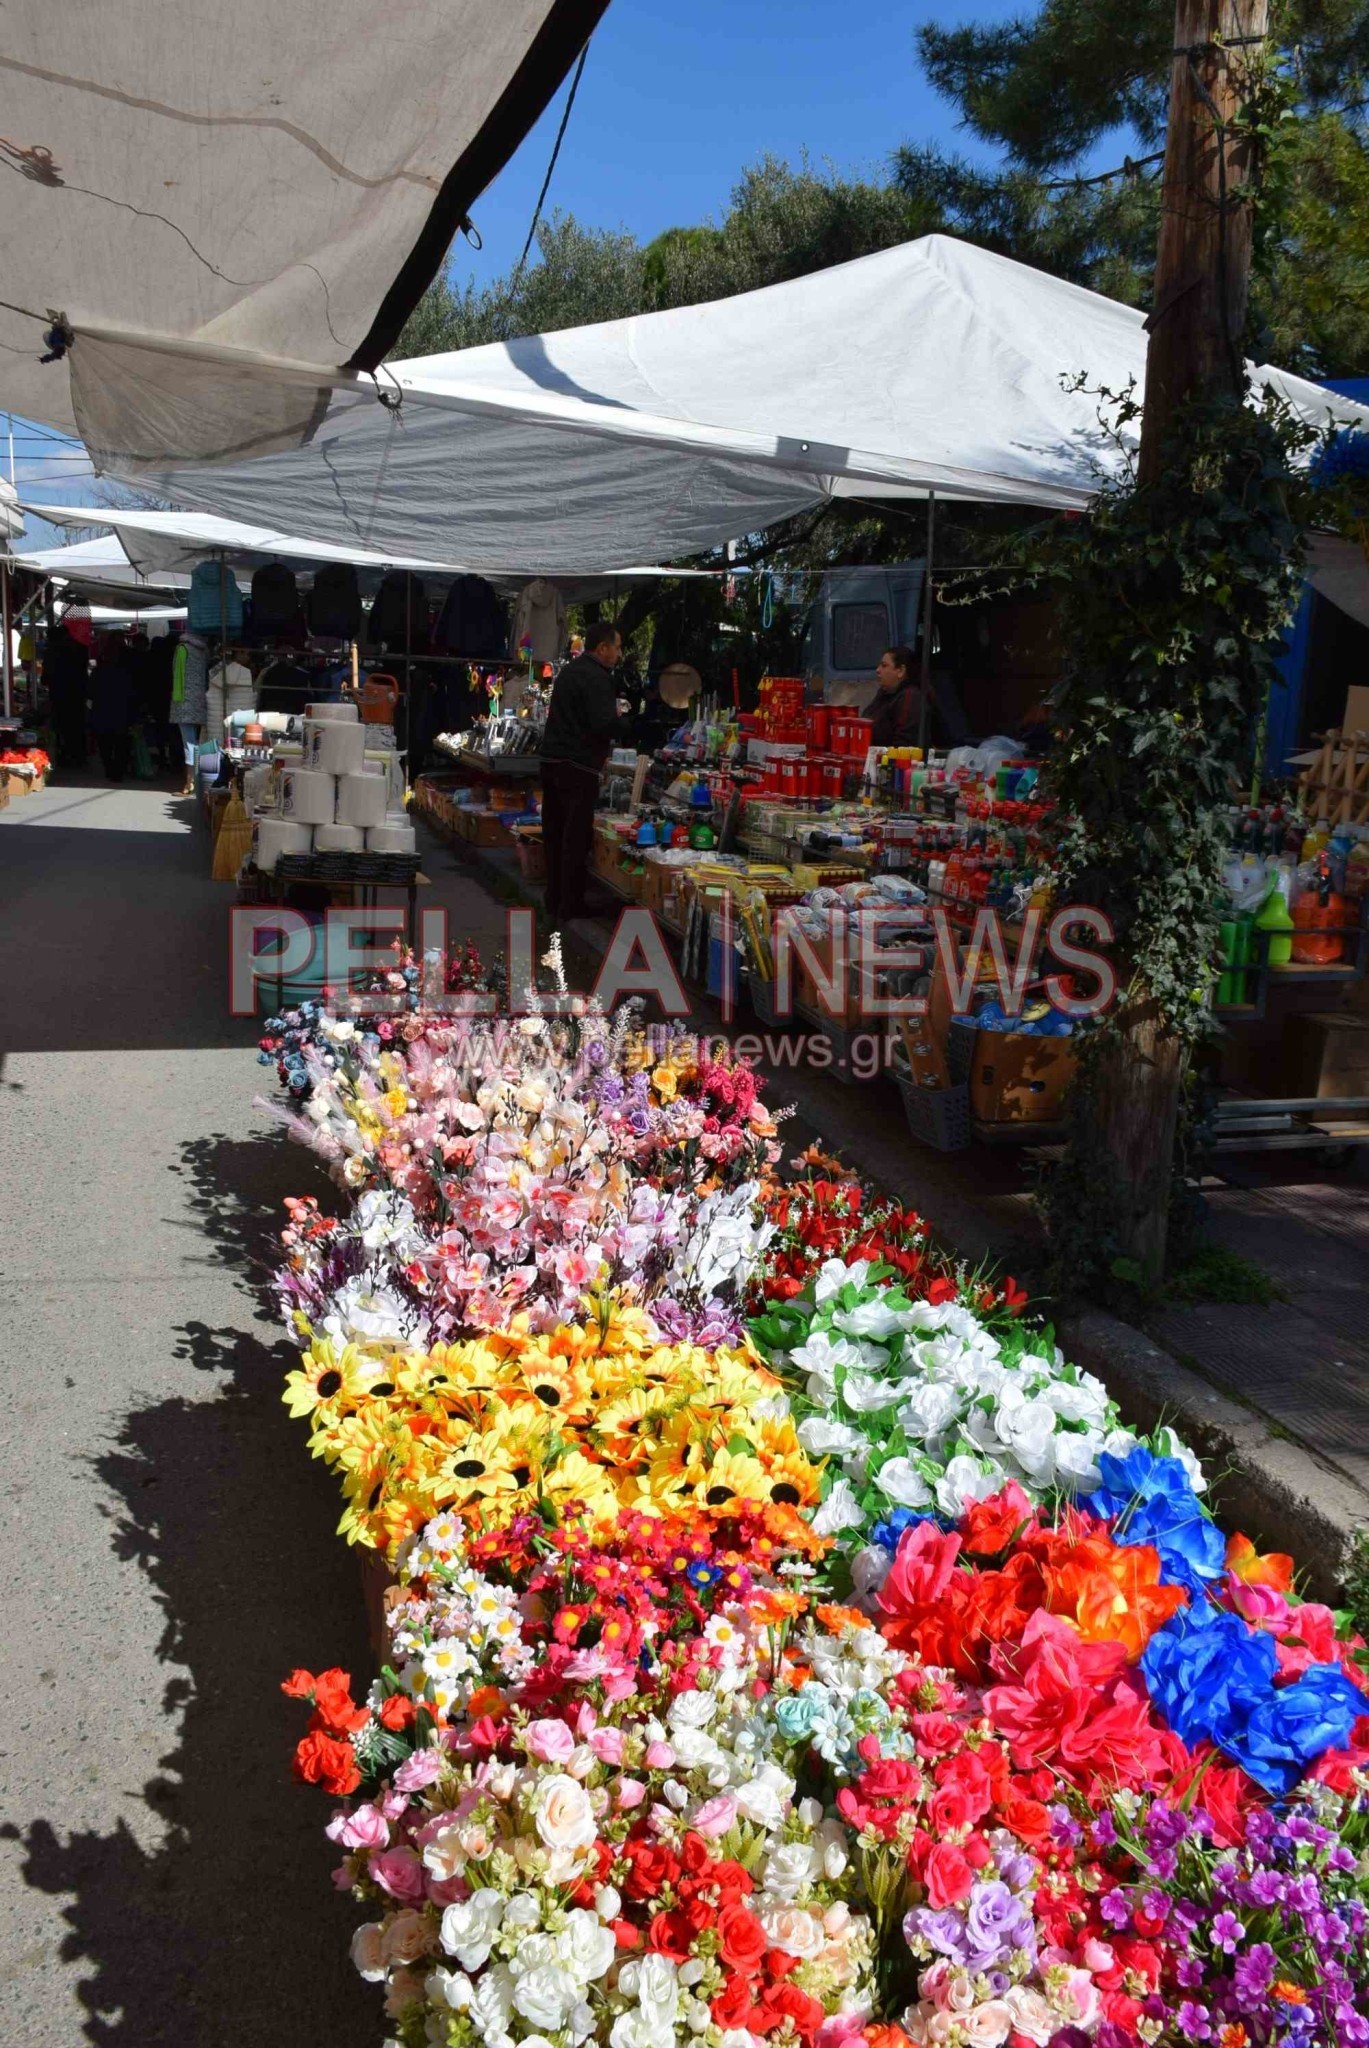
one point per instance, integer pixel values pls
(190, 700)
(895, 710)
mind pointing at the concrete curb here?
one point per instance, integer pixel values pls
(1280, 1493)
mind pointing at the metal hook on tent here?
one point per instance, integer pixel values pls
(391, 400)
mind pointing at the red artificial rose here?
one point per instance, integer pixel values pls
(398, 1712)
(741, 1939)
(694, 1855)
(732, 1879)
(334, 1708)
(669, 1935)
(625, 1934)
(950, 1809)
(298, 1685)
(652, 1868)
(1028, 1819)
(732, 2006)
(322, 1760)
(948, 1876)
(786, 2002)
(935, 1732)
(989, 1527)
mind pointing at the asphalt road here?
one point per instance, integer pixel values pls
(171, 1545)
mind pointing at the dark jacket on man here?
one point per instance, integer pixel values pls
(582, 720)
(894, 716)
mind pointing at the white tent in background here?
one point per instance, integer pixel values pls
(282, 180)
(930, 367)
(11, 518)
(161, 548)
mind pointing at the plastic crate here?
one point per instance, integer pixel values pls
(960, 1043)
(939, 1117)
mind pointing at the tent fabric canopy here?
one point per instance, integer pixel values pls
(162, 547)
(931, 366)
(283, 180)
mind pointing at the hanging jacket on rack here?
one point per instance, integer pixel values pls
(540, 619)
(472, 621)
(275, 601)
(387, 624)
(204, 601)
(335, 603)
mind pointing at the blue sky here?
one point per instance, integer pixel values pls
(676, 100)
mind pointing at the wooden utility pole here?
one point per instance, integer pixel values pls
(1202, 278)
(1202, 265)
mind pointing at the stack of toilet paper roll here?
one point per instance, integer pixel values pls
(335, 792)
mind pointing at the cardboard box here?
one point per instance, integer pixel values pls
(1356, 717)
(1016, 1077)
(1326, 1054)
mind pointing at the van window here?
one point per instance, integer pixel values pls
(860, 634)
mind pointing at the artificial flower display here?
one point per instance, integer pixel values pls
(848, 1676)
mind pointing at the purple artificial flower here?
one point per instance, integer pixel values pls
(1228, 1932)
(1253, 1974)
(1116, 1909)
(1193, 2021)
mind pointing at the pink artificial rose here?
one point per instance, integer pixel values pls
(400, 1873)
(660, 1756)
(715, 1817)
(629, 1792)
(607, 1744)
(550, 1741)
(419, 1770)
(363, 1828)
(586, 1720)
(1262, 1606)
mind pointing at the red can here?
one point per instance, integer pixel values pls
(858, 735)
(818, 719)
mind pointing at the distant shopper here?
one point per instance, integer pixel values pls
(113, 689)
(584, 721)
(66, 672)
(189, 700)
(896, 707)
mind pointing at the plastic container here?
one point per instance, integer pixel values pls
(937, 1117)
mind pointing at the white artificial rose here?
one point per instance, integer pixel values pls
(964, 1480)
(522, 1913)
(1030, 2014)
(820, 1437)
(545, 1995)
(585, 1947)
(694, 1750)
(790, 1928)
(864, 1395)
(841, 1510)
(789, 1867)
(869, 1569)
(657, 1989)
(692, 1710)
(765, 1799)
(608, 1903)
(867, 1319)
(1076, 1459)
(449, 1987)
(562, 1813)
(491, 2005)
(468, 1928)
(900, 1481)
(368, 1951)
(833, 1275)
(930, 1406)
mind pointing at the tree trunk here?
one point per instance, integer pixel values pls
(1138, 1079)
(1202, 267)
(1202, 278)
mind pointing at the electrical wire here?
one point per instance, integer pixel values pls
(546, 182)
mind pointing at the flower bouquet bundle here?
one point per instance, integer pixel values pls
(589, 1418)
(637, 1784)
(921, 1403)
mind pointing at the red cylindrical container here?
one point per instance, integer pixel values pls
(818, 719)
(858, 734)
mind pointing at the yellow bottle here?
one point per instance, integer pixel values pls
(1316, 841)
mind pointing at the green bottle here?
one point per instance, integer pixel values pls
(1275, 918)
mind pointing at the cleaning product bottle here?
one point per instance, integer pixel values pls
(1275, 918)
(1316, 914)
(1316, 842)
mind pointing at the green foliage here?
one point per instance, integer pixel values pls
(1052, 87)
(1216, 1274)
(1355, 1580)
(1173, 596)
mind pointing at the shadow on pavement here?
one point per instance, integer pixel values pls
(228, 1932)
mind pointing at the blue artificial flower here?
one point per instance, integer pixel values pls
(1151, 1500)
(889, 1533)
(1212, 1677)
(701, 1576)
(1301, 1721)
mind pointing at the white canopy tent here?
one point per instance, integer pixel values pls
(162, 547)
(281, 179)
(932, 367)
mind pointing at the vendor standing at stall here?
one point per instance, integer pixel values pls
(585, 718)
(895, 710)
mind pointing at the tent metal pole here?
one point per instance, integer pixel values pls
(9, 641)
(924, 707)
